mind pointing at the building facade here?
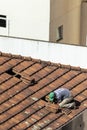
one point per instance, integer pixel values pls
(68, 21)
(61, 21)
(25, 19)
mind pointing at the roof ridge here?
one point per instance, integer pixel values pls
(76, 68)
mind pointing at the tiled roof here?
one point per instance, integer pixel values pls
(23, 84)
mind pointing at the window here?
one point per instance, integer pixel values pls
(60, 33)
(3, 21)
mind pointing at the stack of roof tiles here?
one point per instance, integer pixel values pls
(22, 104)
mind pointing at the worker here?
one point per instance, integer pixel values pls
(63, 97)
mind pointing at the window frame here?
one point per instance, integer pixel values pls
(3, 21)
(60, 33)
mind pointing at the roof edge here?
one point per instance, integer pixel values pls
(59, 65)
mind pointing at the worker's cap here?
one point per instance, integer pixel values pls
(51, 96)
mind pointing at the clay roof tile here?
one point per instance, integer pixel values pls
(22, 104)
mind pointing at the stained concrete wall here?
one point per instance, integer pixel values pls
(66, 13)
(84, 23)
(78, 123)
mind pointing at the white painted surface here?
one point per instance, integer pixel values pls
(58, 53)
(27, 18)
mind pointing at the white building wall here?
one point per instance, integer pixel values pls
(26, 18)
(57, 53)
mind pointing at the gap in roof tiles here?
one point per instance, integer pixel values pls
(12, 73)
(25, 78)
(45, 98)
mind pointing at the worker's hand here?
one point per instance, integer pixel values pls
(47, 98)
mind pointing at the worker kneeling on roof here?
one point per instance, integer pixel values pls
(63, 97)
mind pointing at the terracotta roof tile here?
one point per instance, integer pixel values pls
(22, 104)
